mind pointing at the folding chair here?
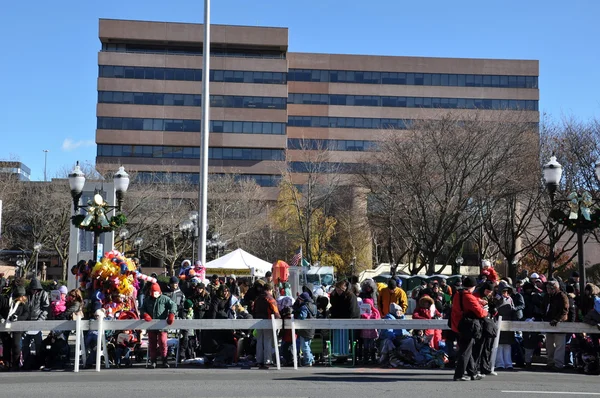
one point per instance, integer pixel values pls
(341, 345)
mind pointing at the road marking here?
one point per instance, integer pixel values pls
(552, 392)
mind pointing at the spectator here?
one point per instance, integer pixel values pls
(344, 304)
(557, 309)
(265, 306)
(586, 301)
(12, 311)
(466, 312)
(368, 289)
(39, 305)
(392, 294)
(213, 286)
(304, 308)
(3, 282)
(505, 307)
(354, 286)
(233, 286)
(426, 310)
(158, 306)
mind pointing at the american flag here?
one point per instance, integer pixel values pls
(297, 258)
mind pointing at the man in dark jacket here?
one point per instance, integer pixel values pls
(304, 308)
(344, 304)
(556, 304)
(39, 304)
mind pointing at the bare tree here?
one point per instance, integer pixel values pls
(440, 174)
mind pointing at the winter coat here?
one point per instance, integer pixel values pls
(423, 311)
(519, 306)
(572, 315)
(219, 308)
(586, 303)
(178, 298)
(533, 306)
(387, 296)
(302, 311)
(392, 333)
(557, 306)
(158, 308)
(38, 301)
(201, 305)
(506, 309)
(465, 303)
(344, 306)
(73, 308)
(16, 309)
(265, 306)
(368, 289)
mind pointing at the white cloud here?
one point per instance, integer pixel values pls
(70, 145)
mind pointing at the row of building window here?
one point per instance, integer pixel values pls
(216, 126)
(412, 102)
(412, 79)
(189, 50)
(263, 180)
(332, 145)
(193, 75)
(326, 167)
(217, 101)
(179, 152)
(348, 122)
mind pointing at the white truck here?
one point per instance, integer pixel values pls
(317, 276)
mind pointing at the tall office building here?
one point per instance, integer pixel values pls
(268, 104)
(15, 169)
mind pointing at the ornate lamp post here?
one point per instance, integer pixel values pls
(137, 243)
(459, 262)
(95, 220)
(123, 234)
(36, 248)
(580, 218)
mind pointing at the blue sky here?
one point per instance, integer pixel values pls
(48, 68)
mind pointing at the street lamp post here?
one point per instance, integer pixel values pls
(137, 243)
(36, 248)
(96, 220)
(580, 218)
(123, 234)
(459, 262)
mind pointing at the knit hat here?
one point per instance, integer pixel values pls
(305, 297)
(469, 282)
(268, 274)
(233, 277)
(394, 307)
(575, 274)
(392, 284)
(63, 290)
(155, 288)
(534, 276)
(186, 263)
(19, 292)
(187, 304)
(215, 276)
(486, 263)
(173, 279)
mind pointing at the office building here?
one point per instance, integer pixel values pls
(268, 105)
(16, 169)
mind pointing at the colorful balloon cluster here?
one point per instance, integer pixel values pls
(115, 282)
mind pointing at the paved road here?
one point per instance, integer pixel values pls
(306, 382)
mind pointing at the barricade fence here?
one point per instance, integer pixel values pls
(268, 324)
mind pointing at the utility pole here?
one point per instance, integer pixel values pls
(45, 164)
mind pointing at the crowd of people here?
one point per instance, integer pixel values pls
(471, 306)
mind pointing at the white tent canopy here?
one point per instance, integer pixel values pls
(239, 259)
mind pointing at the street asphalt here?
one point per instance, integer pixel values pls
(305, 382)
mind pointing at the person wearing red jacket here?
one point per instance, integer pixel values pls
(466, 304)
(426, 310)
(489, 271)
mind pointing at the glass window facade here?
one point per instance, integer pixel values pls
(263, 180)
(179, 152)
(216, 126)
(217, 101)
(324, 167)
(332, 145)
(348, 122)
(172, 49)
(412, 102)
(192, 75)
(413, 79)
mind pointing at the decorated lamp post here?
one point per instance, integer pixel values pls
(580, 218)
(137, 243)
(95, 220)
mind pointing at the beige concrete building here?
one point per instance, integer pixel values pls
(269, 105)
